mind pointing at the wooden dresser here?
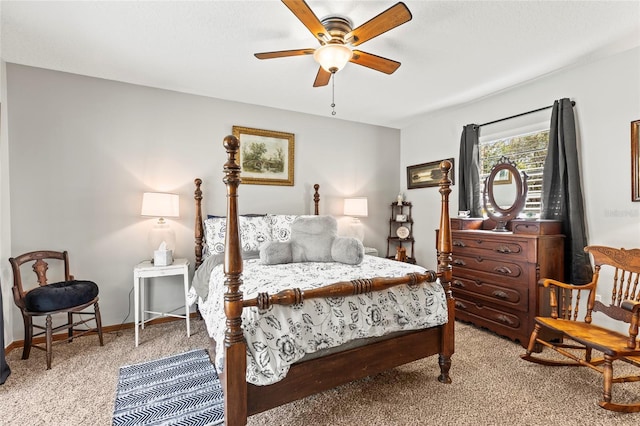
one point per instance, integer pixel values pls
(495, 274)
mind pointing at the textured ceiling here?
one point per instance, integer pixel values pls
(451, 51)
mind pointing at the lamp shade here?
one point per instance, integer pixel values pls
(160, 204)
(356, 207)
(333, 57)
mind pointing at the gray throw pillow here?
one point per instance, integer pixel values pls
(312, 237)
(275, 252)
(347, 250)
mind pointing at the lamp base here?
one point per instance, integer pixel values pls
(357, 229)
(160, 233)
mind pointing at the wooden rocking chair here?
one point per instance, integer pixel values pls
(574, 338)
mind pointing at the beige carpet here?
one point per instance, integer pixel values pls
(491, 386)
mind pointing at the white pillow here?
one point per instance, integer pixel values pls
(215, 229)
(254, 231)
(281, 225)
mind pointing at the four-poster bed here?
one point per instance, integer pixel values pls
(315, 374)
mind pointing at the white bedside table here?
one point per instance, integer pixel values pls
(147, 270)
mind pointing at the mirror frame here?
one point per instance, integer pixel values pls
(498, 214)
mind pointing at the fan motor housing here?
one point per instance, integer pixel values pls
(338, 27)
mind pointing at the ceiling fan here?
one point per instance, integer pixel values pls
(336, 36)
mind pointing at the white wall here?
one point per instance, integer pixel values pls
(83, 150)
(607, 96)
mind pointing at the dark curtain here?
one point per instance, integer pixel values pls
(4, 368)
(469, 171)
(562, 192)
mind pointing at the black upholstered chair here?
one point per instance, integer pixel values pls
(66, 295)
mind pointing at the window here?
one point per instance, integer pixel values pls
(528, 152)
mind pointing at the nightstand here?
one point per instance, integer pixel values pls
(146, 269)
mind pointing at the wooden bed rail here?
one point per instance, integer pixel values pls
(295, 296)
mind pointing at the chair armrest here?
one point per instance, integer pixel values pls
(551, 282)
(562, 305)
(631, 306)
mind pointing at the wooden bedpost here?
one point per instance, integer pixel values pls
(316, 198)
(445, 273)
(234, 381)
(199, 230)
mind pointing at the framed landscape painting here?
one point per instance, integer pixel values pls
(266, 157)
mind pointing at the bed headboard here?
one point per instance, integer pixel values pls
(199, 221)
(232, 181)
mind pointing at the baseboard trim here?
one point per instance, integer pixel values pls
(105, 329)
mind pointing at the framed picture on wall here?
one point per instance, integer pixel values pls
(266, 157)
(427, 174)
(635, 160)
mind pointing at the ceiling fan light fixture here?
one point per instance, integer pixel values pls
(333, 56)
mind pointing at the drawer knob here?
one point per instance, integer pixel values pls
(504, 250)
(458, 283)
(459, 262)
(503, 270)
(500, 295)
(458, 243)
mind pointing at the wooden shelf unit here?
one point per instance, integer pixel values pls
(393, 240)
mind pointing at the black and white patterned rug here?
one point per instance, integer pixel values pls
(182, 389)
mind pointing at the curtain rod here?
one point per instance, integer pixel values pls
(573, 103)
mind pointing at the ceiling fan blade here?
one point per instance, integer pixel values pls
(375, 62)
(396, 15)
(304, 13)
(283, 53)
(323, 77)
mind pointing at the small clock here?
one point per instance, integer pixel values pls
(402, 232)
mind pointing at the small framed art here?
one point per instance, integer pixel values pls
(503, 177)
(427, 174)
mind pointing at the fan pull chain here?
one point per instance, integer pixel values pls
(333, 93)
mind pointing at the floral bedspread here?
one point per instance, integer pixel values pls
(281, 335)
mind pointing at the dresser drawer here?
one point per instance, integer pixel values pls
(511, 324)
(516, 249)
(504, 267)
(536, 226)
(514, 297)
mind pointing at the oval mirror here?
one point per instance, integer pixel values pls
(505, 193)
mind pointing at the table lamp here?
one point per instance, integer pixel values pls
(161, 205)
(356, 207)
